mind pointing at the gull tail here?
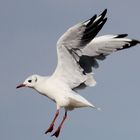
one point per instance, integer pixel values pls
(77, 101)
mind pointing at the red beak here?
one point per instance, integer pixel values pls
(21, 85)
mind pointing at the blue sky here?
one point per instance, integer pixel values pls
(29, 30)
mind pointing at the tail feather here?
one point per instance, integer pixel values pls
(77, 101)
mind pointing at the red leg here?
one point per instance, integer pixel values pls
(57, 132)
(50, 129)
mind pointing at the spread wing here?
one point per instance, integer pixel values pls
(78, 51)
(102, 46)
(77, 37)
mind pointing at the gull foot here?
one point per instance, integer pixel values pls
(50, 129)
(57, 132)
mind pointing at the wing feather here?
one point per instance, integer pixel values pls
(107, 44)
(78, 51)
(68, 68)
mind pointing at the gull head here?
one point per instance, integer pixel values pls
(30, 82)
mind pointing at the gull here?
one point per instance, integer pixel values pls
(79, 52)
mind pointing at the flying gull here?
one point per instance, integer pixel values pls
(79, 52)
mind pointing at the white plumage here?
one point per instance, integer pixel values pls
(78, 53)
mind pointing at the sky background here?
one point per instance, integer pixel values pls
(29, 30)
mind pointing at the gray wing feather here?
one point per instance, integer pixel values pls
(78, 51)
(75, 38)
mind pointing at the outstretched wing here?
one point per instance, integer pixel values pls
(73, 40)
(78, 51)
(102, 46)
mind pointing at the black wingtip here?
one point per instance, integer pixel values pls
(121, 35)
(103, 22)
(104, 13)
(135, 42)
(101, 17)
(91, 20)
(105, 19)
(132, 43)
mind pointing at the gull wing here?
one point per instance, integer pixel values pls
(102, 46)
(73, 40)
(79, 51)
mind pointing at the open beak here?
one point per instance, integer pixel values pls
(21, 85)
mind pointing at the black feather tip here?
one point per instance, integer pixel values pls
(121, 35)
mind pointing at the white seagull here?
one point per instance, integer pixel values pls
(78, 53)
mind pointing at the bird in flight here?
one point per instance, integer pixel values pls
(79, 51)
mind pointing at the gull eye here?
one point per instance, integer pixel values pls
(29, 81)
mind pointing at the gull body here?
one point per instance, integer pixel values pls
(61, 93)
(79, 51)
